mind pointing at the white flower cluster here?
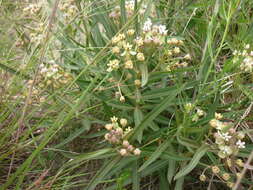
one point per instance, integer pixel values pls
(37, 36)
(149, 27)
(198, 114)
(129, 7)
(246, 58)
(32, 9)
(117, 134)
(125, 50)
(228, 140)
(53, 74)
(69, 9)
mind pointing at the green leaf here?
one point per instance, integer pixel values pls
(89, 156)
(179, 184)
(156, 111)
(123, 11)
(136, 176)
(102, 173)
(144, 74)
(171, 170)
(156, 154)
(193, 163)
(138, 117)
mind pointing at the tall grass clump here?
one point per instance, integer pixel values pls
(126, 94)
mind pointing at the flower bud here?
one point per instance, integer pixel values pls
(176, 50)
(129, 64)
(130, 148)
(125, 143)
(119, 131)
(137, 83)
(115, 50)
(240, 135)
(114, 139)
(200, 112)
(229, 162)
(123, 152)
(107, 136)
(239, 162)
(122, 99)
(215, 169)
(123, 122)
(226, 176)
(140, 57)
(202, 177)
(109, 126)
(137, 152)
(213, 123)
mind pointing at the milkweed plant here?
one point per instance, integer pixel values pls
(160, 105)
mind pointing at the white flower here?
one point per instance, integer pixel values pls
(200, 112)
(224, 136)
(247, 46)
(226, 150)
(114, 119)
(162, 30)
(220, 125)
(240, 144)
(113, 65)
(247, 64)
(147, 25)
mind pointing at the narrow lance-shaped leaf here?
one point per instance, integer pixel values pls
(102, 173)
(193, 163)
(156, 111)
(156, 154)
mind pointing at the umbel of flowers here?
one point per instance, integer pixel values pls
(131, 51)
(129, 7)
(68, 9)
(227, 139)
(116, 135)
(51, 76)
(245, 58)
(152, 48)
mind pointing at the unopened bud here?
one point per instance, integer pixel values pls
(240, 135)
(202, 177)
(137, 83)
(122, 99)
(130, 148)
(109, 126)
(123, 122)
(123, 152)
(239, 162)
(226, 176)
(125, 143)
(137, 152)
(215, 169)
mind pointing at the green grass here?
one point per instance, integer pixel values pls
(54, 138)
